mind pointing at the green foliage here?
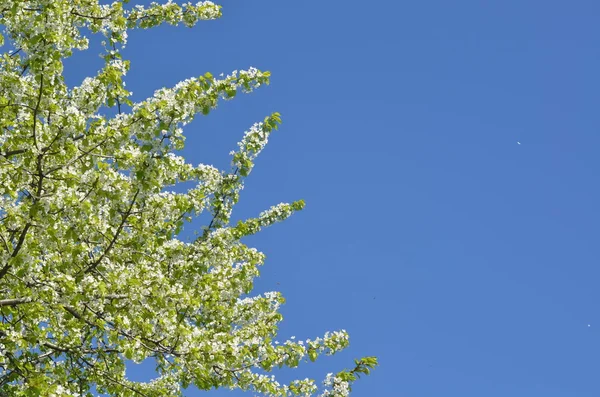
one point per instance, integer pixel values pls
(92, 272)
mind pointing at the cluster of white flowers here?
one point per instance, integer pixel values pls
(254, 141)
(276, 213)
(336, 387)
(60, 391)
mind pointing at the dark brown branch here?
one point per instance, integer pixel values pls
(6, 247)
(83, 351)
(13, 152)
(218, 212)
(22, 236)
(39, 186)
(78, 316)
(17, 104)
(37, 108)
(91, 16)
(124, 217)
(84, 153)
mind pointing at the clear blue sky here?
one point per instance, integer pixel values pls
(468, 263)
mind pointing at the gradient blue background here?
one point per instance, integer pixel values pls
(466, 262)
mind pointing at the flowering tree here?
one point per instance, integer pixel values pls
(92, 273)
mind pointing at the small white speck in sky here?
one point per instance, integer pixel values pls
(589, 325)
(518, 143)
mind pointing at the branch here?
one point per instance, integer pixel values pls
(83, 351)
(37, 107)
(85, 152)
(218, 212)
(79, 316)
(12, 152)
(36, 198)
(115, 237)
(6, 267)
(91, 16)
(14, 302)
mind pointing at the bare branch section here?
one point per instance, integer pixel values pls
(14, 302)
(11, 153)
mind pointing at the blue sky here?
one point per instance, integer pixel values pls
(468, 263)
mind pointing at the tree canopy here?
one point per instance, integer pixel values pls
(92, 272)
